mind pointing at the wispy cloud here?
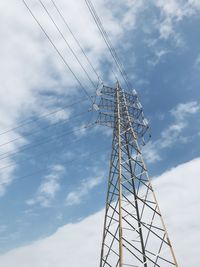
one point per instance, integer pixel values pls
(81, 130)
(172, 133)
(3, 228)
(172, 12)
(48, 188)
(151, 152)
(158, 55)
(8, 164)
(107, 131)
(75, 197)
(197, 62)
(183, 110)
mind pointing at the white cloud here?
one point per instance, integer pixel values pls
(129, 18)
(80, 131)
(168, 25)
(107, 131)
(172, 12)
(49, 106)
(171, 8)
(48, 188)
(166, 29)
(159, 54)
(150, 152)
(170, 135)
(75, 197)
(31, 71)
(79, 244)
(185, 109)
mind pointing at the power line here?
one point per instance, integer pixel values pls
(108, 42)
(57, 50)
(102, 30)
(43, 153)
(76, 40)
(114, 53)
(49, 140)
(67, 43)
(25, 122)
(26, 147)
(44, 128)
(45, 169)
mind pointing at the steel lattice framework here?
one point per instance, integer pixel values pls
(134, 232)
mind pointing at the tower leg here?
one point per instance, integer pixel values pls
(134, 233)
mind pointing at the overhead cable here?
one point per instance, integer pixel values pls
(44, 152)
(44, 169)
(58, 52)
(43, 128)
(26, 122)
(108, 42)
(76, 40)
(48, 140)
(67, 43)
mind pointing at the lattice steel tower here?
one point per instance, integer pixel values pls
(134, 232)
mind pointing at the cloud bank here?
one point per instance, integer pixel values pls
(79, 244)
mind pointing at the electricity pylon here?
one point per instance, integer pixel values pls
(134, 232)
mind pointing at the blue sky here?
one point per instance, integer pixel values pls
(64, 181)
